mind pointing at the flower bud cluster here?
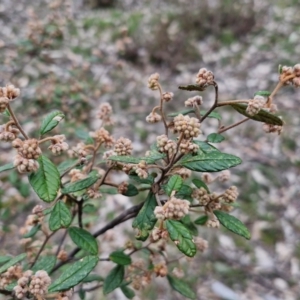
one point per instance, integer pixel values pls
(76, 175)
(62, 255)
(204, 77)
(270, 128)
(3, 104)
(207, 178)
(158, 234)
(123, 187)
(21, 288)
(153, 117)
(92, 194)
(230, 195)
(172, 209)
(213, 223)
(184, 173)
(167, 96)
(187, 146)
(104, 113)
(123, 146)
(201, 195)
(255, 105)
(9, 133)
(201, 244)
(25, 165)
(165, 145)
(288, 71)
(102, 136)
(10, 92)
(189, 127)
(58, 145)
(78, 151)
(141, 169)
(153, 81)
(27, 149)
(194, 101)
(12, 273)
(39, 283)
(160, 270)
(224, 176)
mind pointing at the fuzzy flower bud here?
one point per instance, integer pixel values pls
(270, 128)
(296, 70)
(153, 117)
(78, 151)
(9, 135)
(76, 175)
(214, 223)
(204, 77)
(160, 270)
(224, 176)
(201, 196)
(190, 127)
(141, 169)
(28, 149)
(12, 91)
(186, 147)
(167, 96)
(123, 146)
(172, 209)
(153, 81)
(123, 187)
(184, 173)
(207, 178)
(194, 101)
(255, 105)
(58, 145)
(3, 104)
(296, 82)
(158, 234)
(201, 244)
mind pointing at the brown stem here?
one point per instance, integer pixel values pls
(232, 125)
(42, 248)
(215, 103)
(50, 138)
(8, 124)
(17, 122)
(161, 109)
(101, 180)
(124, 216)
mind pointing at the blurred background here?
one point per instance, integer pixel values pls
(74, 55)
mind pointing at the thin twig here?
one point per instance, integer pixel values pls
(232, 125)
(215, 103)
(124, 216)
(17, 122)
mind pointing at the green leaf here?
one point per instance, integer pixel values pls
(185, 193)
(65, 165)
(12, 262)
(6, 113)
(192, 87)
(262, 116)
(187, 222)
(153, 156)
(263, 93)
(114, 279)
(181, 287)
(92, 277)
(233, 224)
(6, 167)
(174, 184)
(209, 162)
(51, 121)
(135, 160)
(32, 231)
(60, 216)
(199, 184)
(128, 292)
(148, 180)
(201, 220)
(108, 190)
(74, 274)
(145, 220)
(84, 240)
(279, 69)
(45, 181)
(120, 258)
(89, 208)
(215, 138)
(182, 238)
(79, 185)
(4, 259)
(131, 191)
(206, 147)
(45, 263)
